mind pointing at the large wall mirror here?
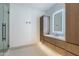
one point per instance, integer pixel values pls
(46, 25)
(58, 22)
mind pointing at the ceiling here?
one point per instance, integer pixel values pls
(38, 6)
(41, 6)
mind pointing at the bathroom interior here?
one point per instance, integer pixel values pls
(54, 25)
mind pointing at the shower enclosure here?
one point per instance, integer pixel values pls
(4, 28)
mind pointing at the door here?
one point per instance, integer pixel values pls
(4, 28)
(6, 25)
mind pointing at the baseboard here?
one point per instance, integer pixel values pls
(22, 46)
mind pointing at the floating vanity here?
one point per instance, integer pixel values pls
(61, 28)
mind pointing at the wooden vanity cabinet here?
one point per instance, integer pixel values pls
(71, 45)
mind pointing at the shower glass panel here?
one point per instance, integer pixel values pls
(1, 19)
(4, 28)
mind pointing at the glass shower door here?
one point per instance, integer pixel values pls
(1, 19)
(4, 28)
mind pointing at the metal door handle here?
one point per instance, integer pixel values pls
(3, 31)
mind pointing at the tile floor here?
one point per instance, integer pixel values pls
(32, 50)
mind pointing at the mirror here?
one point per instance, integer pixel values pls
(46, 25)
(58, 22)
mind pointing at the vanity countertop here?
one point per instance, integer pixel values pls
(57, 37)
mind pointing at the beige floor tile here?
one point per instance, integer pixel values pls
(32, 50)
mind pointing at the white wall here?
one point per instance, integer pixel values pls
(20, 32)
